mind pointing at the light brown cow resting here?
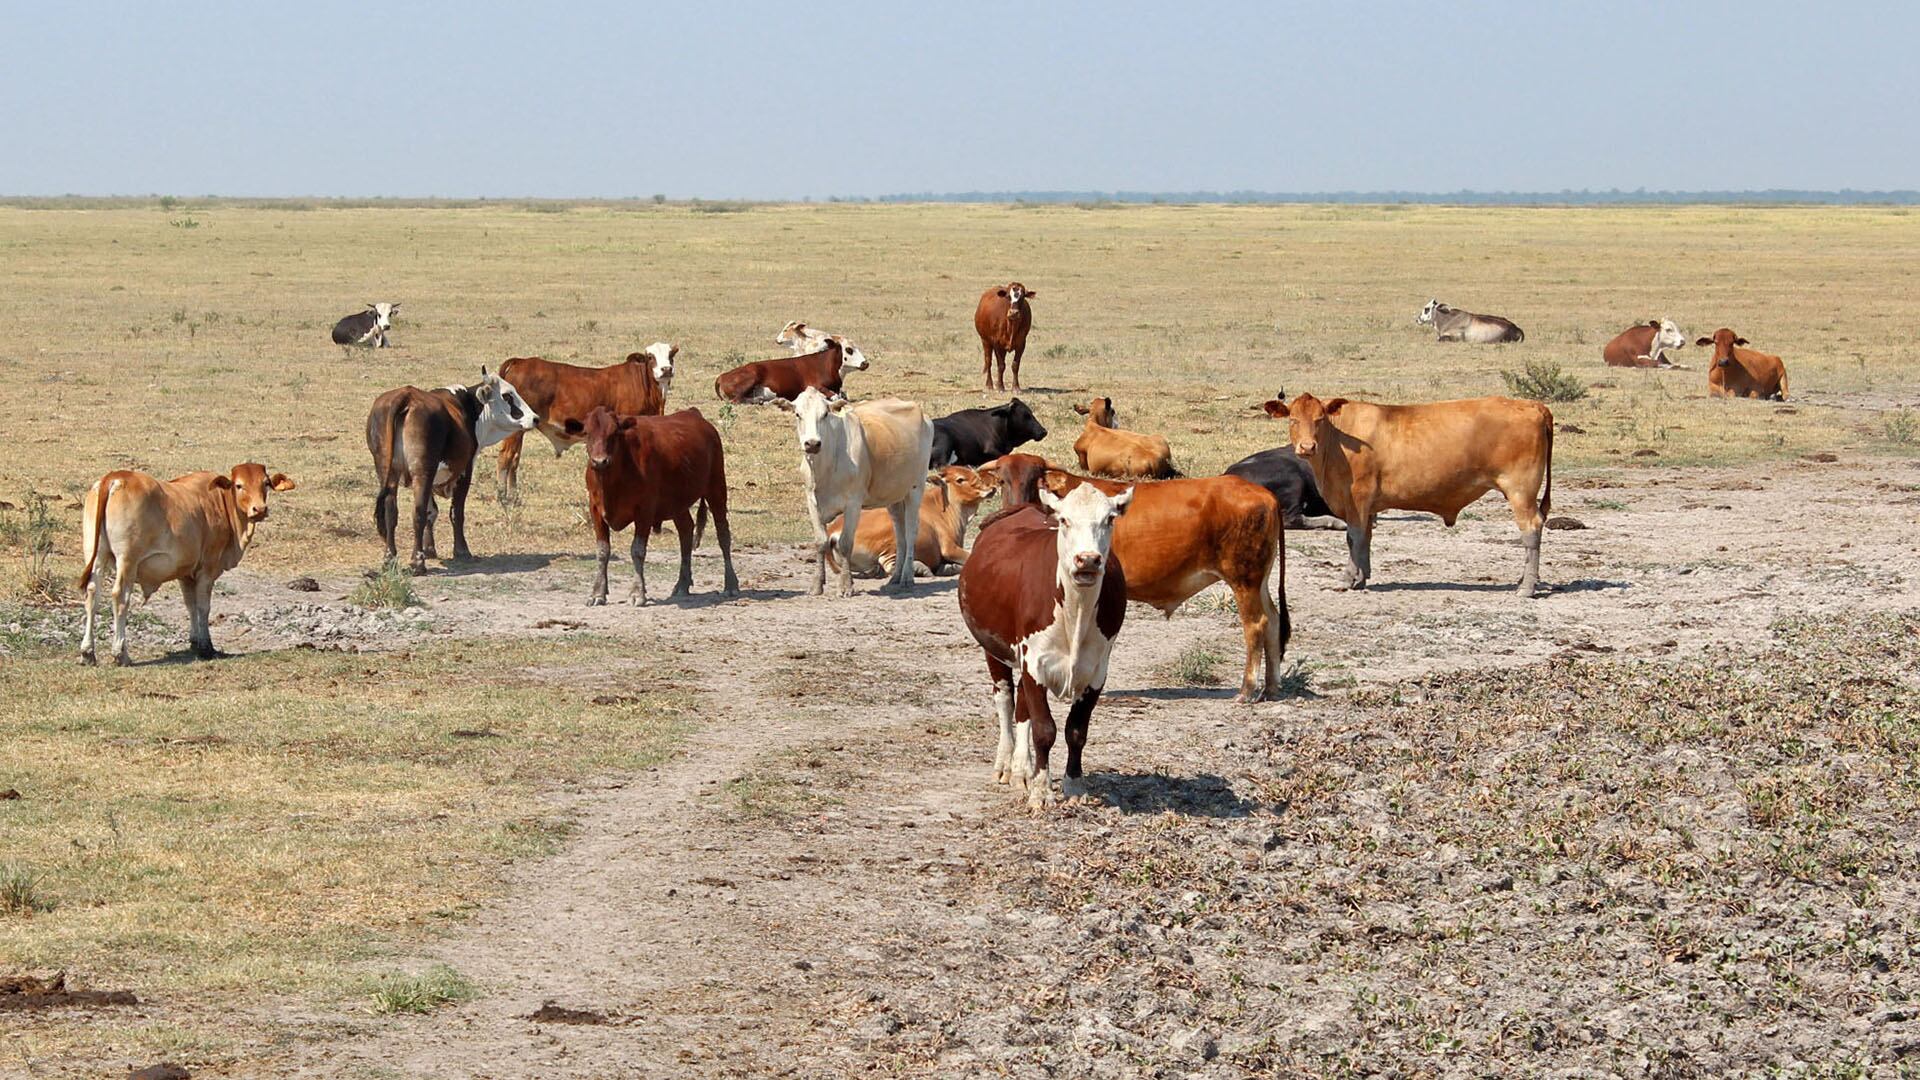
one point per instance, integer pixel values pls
(1112, 451)
(1740, 372)
(946, 508)
(190, 529)
(1436, 458)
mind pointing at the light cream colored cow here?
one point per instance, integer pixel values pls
(856, 456)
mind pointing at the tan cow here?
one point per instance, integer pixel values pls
(1741, 372)
(1436, 458)
(947, 507)
(190, 529)
(1112, 451)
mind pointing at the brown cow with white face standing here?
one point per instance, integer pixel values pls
(1002, 321)
(1741, 372)
(562, 395)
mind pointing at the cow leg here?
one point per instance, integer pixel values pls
(683, 524)
(386, 516)
(199, 593)
(637, 595)
(507, 475)
(1359, 551)
(849, 513)
(1018, 352)
(906, 532)
(1002, 677)
(1259, 627)
(87, 656)
(461, 484)
(724, 533)
(122, 599)
(422, 521)
(986, 363)
(1078, 718)
(1040, 742)
(603, 548)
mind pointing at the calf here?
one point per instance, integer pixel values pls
(1435, 458)
(801, 338)
(977, 436)
(855, 456)
(190, 529)
(367, 327)
(1644, 346)
(953, 493)
(1451, 324)
(784, 378)
(1742, 372)
(1106, 449)
(1290, 481)
(1002, 320)
(643, 471)
(427, 440)
(563, 395)
(1182, 536)
(1044, 595)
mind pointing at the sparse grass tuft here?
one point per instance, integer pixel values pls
(421, 992)
(391, 586)
(1294, 679)
(20, 892)
(1542, 380)
(1901, 427)
(32, 529)
(1196, 665)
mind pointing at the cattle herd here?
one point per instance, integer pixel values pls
(1043, 588)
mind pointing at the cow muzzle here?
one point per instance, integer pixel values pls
(810, 446)
(1086, 568)
(1306, 449)
(600, 464)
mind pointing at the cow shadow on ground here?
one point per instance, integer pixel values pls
(495, 564)
(1547, 589)
(1204, 795)
(1589, 585)
(1191, 693)
(707, 598)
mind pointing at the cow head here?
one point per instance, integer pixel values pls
(383, 314)
(1431, 311)
(503, 411)
(816, 420)
(968, 487)
(1723, 341)
(1099, 411)
(1022, 425)
(1017, 292)
(1305, 415)
(791, 334)
(250, 484)
(602, 431)
(661, 355)
(1016, 476)
(1666, 335)
(1083, 534)
(850, 354)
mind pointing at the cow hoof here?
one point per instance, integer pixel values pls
(417, 567)
(597, 600)
(1040, 795)
(123, 660)
(636, 600)
(1074, 789)
(88, 659)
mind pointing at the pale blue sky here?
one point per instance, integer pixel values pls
(765, 100)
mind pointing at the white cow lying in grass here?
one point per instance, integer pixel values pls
(856, 456)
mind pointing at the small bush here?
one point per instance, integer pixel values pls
(1196, 665)
(1543, 381)
(20, 891)
(1901, 427)
(1294, 680)
(391, 586)
(422, 992)
(33, 530)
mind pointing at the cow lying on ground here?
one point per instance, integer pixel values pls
(1290, 481)
(1002, 320)
(801, 338)
(977, 436)
(1182, 536)
(644, 471)
(1644, 346)
(190, 529)
(1451, 324)
(785, 377)
(427, 439)
(563, 395)
(367, 327)
(1111, 451)
(1044, 596)
(856, 456)
(1741, 372)
(1435, 458)
(953, 493)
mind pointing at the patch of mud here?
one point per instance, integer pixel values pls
(25, 993)
(551, 1013)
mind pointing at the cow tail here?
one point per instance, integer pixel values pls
(833, 542)
(383, 446)
(93, 526)
(1519, 334)
(1279, 531)
(1546, 497)
(700, 525)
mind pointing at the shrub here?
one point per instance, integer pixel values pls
(20, 891)
(1542, 380)
(1195, 666)
(391, 586)
(1901, 427)
(422, 992)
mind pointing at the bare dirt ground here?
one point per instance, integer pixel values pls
(825, 882)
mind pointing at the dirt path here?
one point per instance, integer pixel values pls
(750, 907)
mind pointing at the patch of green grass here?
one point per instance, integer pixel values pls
(1196, 665)
(20, 892)
(1294, 679)
(421, 992)
(391, 586)
(1542, 380)
(1901, 427)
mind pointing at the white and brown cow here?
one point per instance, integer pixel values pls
(1044, 596)
(801, 338)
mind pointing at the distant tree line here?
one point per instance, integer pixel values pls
(1565, 197)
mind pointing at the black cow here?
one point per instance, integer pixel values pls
(368, 327)
(1281, 471)
(976, 436)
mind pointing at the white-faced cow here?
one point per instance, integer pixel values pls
(784, 377)
(1451, 324)
(367, 327)
(856, 456)
(1044, 596)
(1644, 346)
(562, 396)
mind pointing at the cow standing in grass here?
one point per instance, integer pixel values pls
(856, 456)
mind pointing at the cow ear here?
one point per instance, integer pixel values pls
(1055, 481)
(1047, 498)
(1333, 406)
(1121, 501)
(672, 351)
(990, 472)
(1276, 409)
(839, 404)
(1081, 409)
(628, 423)
(1029, 293)
(281, 482)
(1704, 341)
(783, 404)
(1739, 341)
(223, 481)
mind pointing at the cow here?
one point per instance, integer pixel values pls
(427, 440)
(1436, 458)
(562, 395)
(190, 529)
(1044, 595)
(1741, 372)
(1111, 451)
(856, 456)
(952, 495)
(1290, 481)
(1002, 320)
(1644, 346)
(367, 327)
(1182, 536)
(785, 377)
(801, 338)
(977, 436)
(1452, 324)
(644, 471)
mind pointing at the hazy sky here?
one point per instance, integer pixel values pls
(762, 100)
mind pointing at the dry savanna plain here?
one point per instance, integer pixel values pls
(1659, 821)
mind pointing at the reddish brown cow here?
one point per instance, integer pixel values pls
(1644, 346)
(563, 395)
(1180, 537)
(1002, 321)
(1044, 596)
(643, 471)
(1743, 372)
(786, 377)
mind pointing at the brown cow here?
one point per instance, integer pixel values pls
(1741, 372)
(190, 529)
(1435, 458)
(1111, 451)
(1644, 346)
(1182, 536)
(786, 377)
(946, 508)
(563, 394)
(1002, 320)
(1045, 596)
(643, 471)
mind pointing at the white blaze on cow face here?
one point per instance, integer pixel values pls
(1084, 532)
(663, 355)
(503, 411)
(850, 354)
(1428, 313)
(1668, 336)
(383, 315)
(1015, 294)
